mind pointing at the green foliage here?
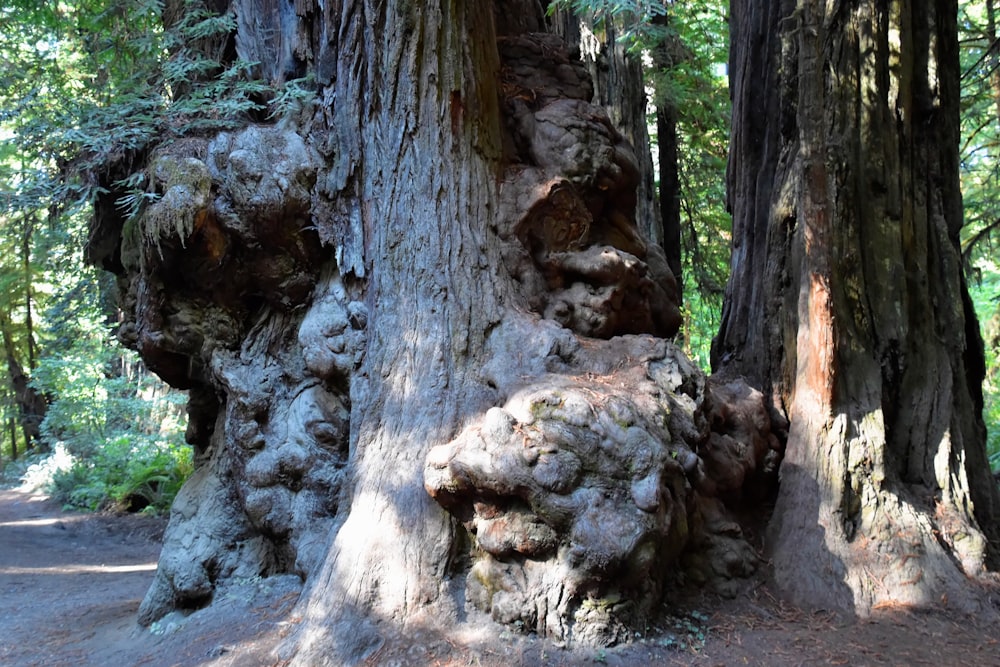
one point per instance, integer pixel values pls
(292, 96)
(636, 19)
(122, 427)
(986, 296)
(686, 632)
(980, 173)
(690, 78)
(980, 148)
(702, 318)
(685, 47)
(124, 474)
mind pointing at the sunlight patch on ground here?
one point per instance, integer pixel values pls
(52, 521)
(80, 569)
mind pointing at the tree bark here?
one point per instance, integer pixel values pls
(619, 87)
(29, 321)
(669, 191)
(844, 187)
(30, 404)
(12, 429)
(421, 110)
(425, 344)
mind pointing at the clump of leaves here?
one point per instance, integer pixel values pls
(636, 18)
(123, 428)
(107, 80)
(985, 292)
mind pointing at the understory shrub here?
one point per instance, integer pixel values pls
(122, 428)
(124, 475)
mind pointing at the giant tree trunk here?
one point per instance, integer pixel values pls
(425, 342)
(844, 188)
(424, 121)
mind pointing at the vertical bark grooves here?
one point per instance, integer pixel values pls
(753, 298)
(424, 112)
(886, 496)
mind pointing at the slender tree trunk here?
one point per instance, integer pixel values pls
(668, 167)
(669, 193)
(12, 429)
(29, 320)
(847, 210)
(31, 405)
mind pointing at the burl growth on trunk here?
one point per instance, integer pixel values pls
(601, 475)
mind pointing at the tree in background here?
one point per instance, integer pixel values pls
(692, 120)
(847, 304)
(70, 385)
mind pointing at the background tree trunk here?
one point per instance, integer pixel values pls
(31, 405)
(844, 187)
(669, 190)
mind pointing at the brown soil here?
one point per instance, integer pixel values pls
(70, 586)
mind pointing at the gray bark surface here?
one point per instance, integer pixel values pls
(424, 340)
(619, 88)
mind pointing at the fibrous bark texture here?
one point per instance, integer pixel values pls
(426, 343)
(844, 188)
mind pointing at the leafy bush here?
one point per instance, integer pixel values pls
(121, 426)
(124, 475)
(986, 297)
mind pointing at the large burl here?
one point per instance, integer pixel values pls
(600, 478)
(573, 243)
(598, 483)
(576, 492)
(225, 294)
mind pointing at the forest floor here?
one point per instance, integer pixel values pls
(71, 584)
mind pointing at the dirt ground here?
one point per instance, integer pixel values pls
(70, 586)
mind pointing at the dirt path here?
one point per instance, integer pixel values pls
(70, 586)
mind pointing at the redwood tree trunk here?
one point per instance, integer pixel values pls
(430, 307)
(844, 187)
(425, 342)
